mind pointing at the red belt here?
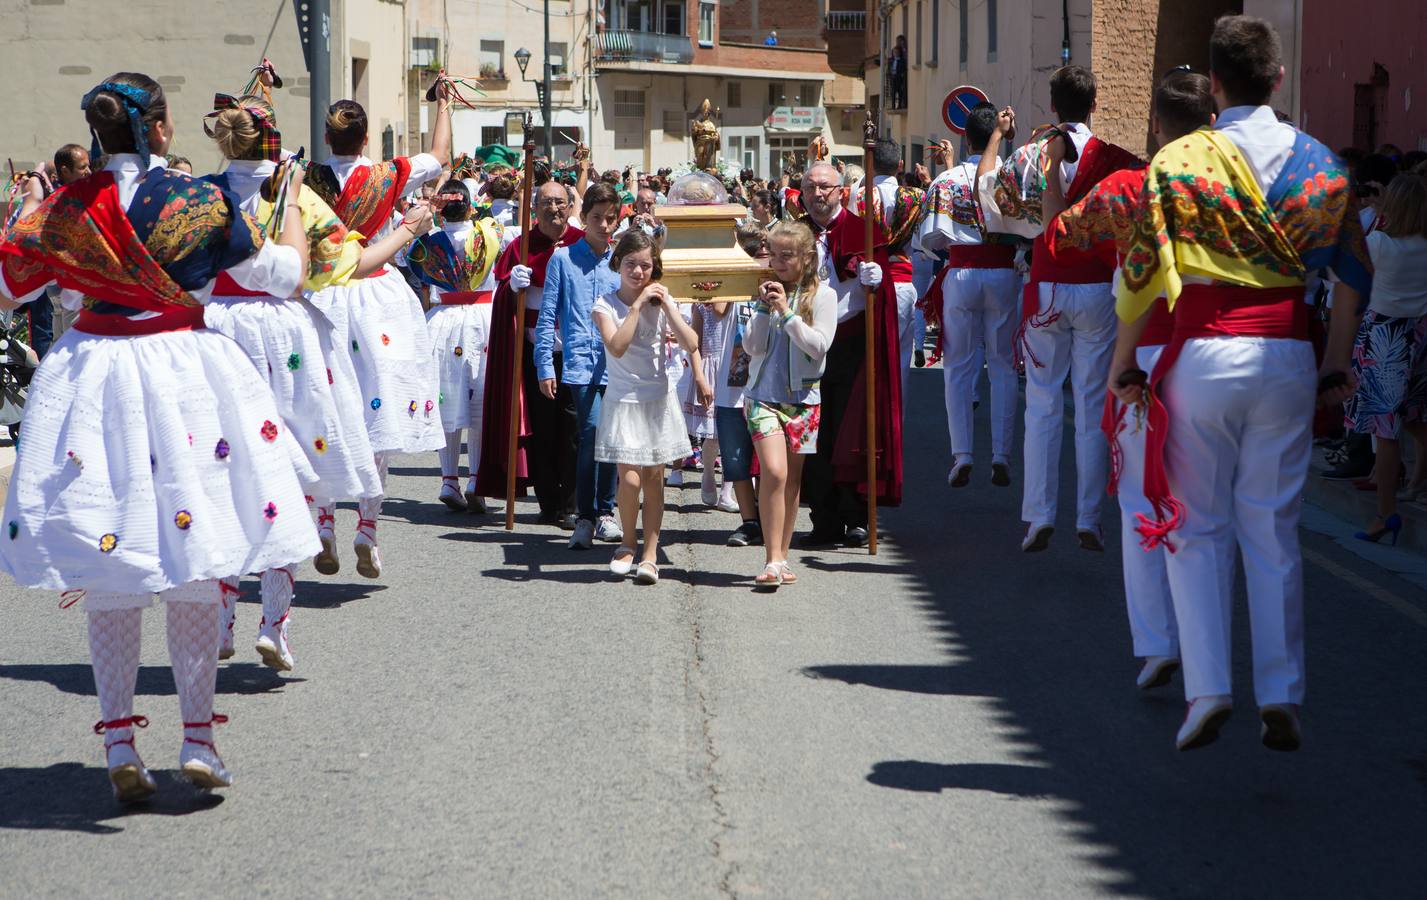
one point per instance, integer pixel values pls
(225, 286)
(186, 318)
(980, 256)
(1160, 328)
(900, 268)
(1207, 311)
(466, 298)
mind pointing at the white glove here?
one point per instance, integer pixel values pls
(869, 274)
(520, 277)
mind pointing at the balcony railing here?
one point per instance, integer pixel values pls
(643, 46)
(847, 21)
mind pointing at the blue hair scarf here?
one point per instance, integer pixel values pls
(136, 103)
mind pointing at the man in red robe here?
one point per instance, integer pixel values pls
(835, 479)
(546, 458)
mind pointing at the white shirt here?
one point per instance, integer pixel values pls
(851, 297)
(1399, 284)
(644, 371)
(503, 211)
(1266, 142)
(938, 230)
(275, 269)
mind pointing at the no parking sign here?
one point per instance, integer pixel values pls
(957, 106)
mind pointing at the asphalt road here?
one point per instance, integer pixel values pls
(951, 718)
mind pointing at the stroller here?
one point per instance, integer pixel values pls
(17, 366)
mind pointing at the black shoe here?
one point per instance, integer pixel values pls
(919, 359)
(476, 505)
(567, 522)
(548, 517)
(1349, 471)
(817, 538)
(856, 536)
(749, 534)
(1000, 474)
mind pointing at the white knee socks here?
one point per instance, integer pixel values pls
(114, 653)
(193, 653)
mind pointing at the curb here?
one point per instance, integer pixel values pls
(1358, 507)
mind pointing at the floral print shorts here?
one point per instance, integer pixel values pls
(797, 422)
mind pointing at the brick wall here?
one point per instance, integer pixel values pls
(1133, 43)
(749, 21)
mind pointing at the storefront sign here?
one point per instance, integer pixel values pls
(795, 118)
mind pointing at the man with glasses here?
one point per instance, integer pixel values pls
(549, 442)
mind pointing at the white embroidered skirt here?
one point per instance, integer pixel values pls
(283, 340)
(458, 344)
(148, 462)
(642, 433)
(385, 333)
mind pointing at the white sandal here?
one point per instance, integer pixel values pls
(770, 578)
(646, 573)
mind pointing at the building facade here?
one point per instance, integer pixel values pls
(481, 38)
(655, 61)
(52, 53)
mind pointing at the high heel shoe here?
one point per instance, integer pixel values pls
(1391, 525)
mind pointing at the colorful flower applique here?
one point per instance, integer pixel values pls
(221, 449)
(270, 511)
(320, 445)
(108, 542)
(74, 458)
(355, 348)
(329, 377)
(386, 341)
(14, 529)
(182, 519)
(430, 406)
(269, 431)
(294, 362)
(458, 351)
(376, 403)
(411, 407)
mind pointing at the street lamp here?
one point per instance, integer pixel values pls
(542, 84)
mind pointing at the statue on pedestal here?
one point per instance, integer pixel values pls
(706, 142)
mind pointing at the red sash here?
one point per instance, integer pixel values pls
(900, 268)
(225, 286)
(1206, 311)
(980, 256)
(466, 298)
(187, 319)
(81, 237)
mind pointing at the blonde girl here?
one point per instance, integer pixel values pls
(794, 320)
(641, 427)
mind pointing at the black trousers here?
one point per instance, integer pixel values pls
(835, 507)
(554, 439)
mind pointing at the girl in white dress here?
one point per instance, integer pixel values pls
(381, 319)
(293, 345)
(641, 428)
(154, 460)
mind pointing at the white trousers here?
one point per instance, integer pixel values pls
(979, 314)
(1240, 438)
(1079, 343)
(906, 320)
(1153, 631)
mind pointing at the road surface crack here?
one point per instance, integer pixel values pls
(696, 687)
